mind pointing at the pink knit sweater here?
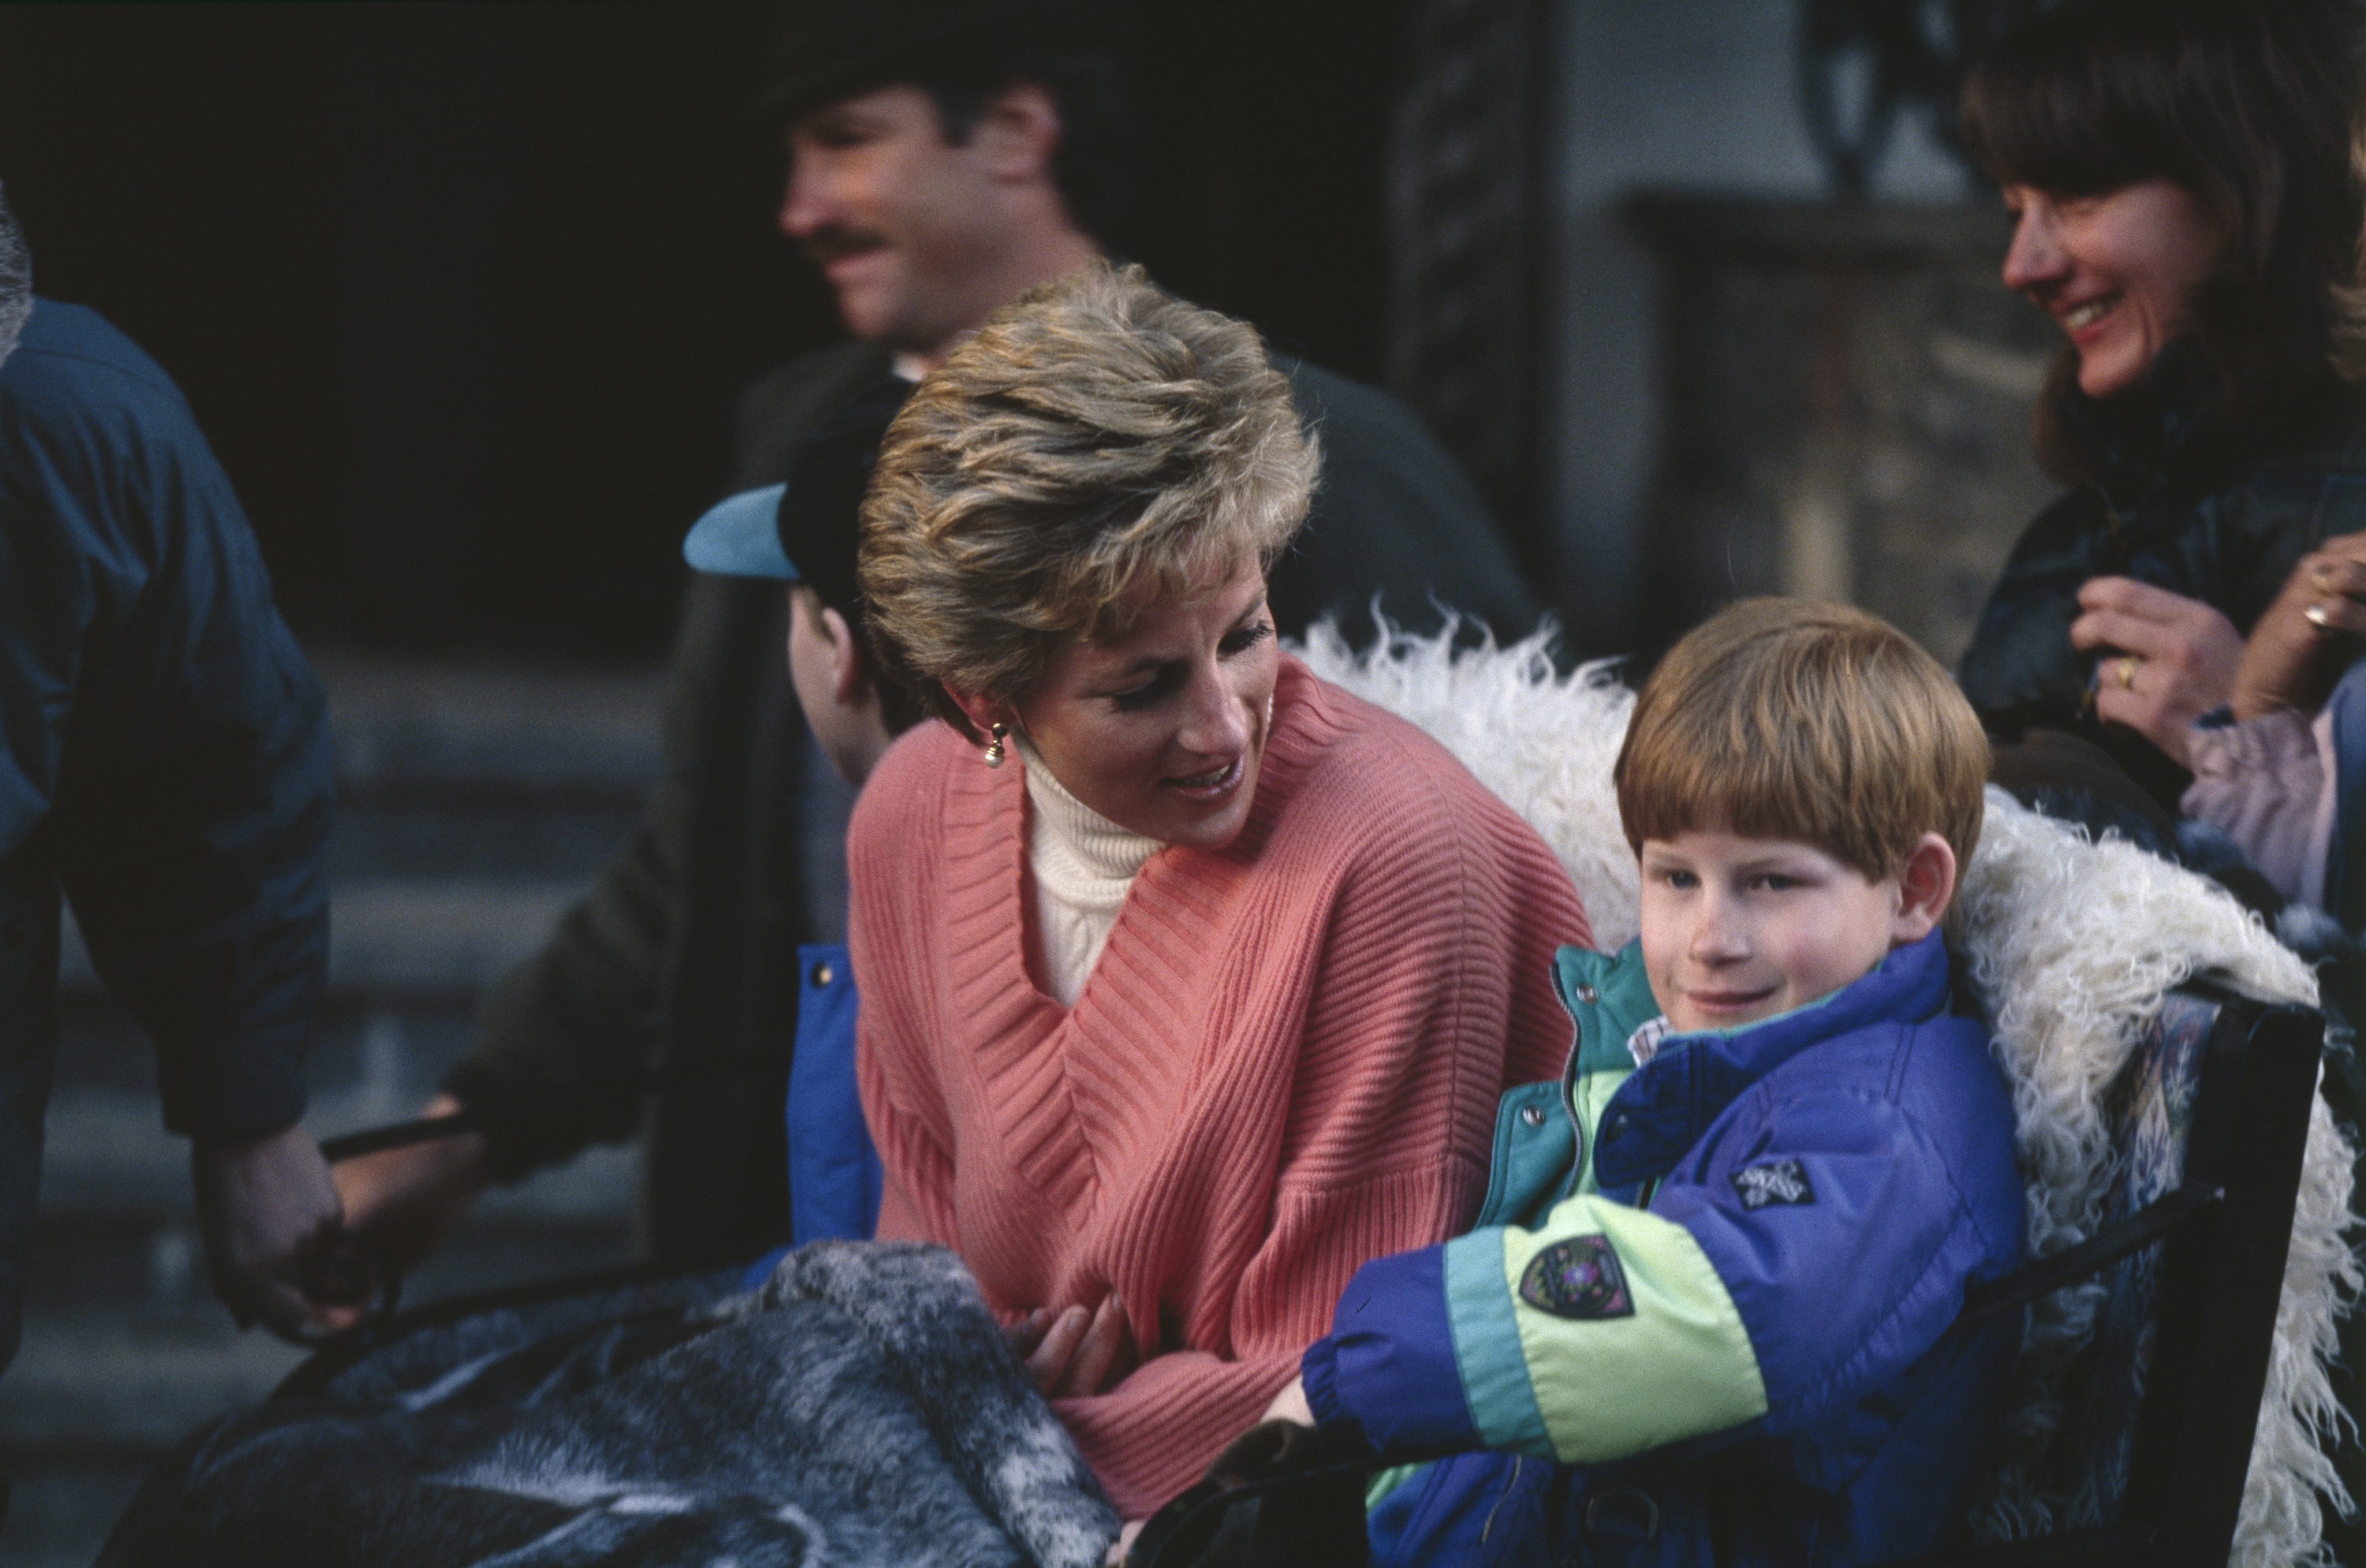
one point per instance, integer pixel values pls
(1285, 1062)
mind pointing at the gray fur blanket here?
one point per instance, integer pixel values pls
(862, 1408)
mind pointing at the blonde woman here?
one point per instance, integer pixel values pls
(1188, 982)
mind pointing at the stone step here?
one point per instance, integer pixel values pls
(110, 1161)
(408, 727)
(477, 841)
(407, 939)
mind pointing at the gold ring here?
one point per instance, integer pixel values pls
(2320, 579)
(2319, 616)
(2128, 672)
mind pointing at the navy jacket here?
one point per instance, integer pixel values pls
(2184, 498)
(1708, 1313)
(165, 756)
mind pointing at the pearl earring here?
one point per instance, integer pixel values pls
(994, 753)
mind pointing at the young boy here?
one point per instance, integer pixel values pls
(1715, 1279)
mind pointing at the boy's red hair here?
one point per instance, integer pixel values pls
(1780, 718)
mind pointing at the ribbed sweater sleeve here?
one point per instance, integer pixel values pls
(1286, 1062)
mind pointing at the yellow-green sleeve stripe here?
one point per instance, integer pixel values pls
(1679, 1366)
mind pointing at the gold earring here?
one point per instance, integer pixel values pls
(994, 744)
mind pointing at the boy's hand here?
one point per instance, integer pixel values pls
(1072, 1351)
(1291, 1404)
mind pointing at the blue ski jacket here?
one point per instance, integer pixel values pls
(1708, 1311)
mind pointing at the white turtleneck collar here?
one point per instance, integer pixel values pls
(1083, 863)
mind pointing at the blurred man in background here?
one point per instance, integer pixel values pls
(944, 157)
(164, 760)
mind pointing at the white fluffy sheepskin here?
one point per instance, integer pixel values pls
(2073, 942)
(1543, 743)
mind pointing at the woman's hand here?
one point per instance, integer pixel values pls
(2177, 658)
(1072, 1351)
(2285, 663)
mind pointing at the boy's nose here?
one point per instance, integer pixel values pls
(1718, 937)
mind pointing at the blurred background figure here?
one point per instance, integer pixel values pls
(164, 764)
(2179, 173)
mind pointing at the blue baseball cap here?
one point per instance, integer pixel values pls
(741, 537)
(805, 530)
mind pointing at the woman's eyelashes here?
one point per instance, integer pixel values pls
(1162, 681)
(1167, 678)
(1248, 637)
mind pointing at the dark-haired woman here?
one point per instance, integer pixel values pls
(2184, 208)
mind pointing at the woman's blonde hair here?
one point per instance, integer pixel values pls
(1779, 718)
(1099, 445)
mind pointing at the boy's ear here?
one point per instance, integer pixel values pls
(848, 678)
(1926, 884)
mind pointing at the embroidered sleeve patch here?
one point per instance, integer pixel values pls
(1773, 1182)
(1578, 1277)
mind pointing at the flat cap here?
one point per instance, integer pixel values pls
(823, 50)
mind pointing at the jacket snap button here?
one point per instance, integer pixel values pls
(822, 974)
(1588, 994)
(1533, 1115)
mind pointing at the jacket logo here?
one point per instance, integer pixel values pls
(1773, 1182)
(1578, 1277)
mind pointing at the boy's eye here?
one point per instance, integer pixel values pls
(1776, 882)
(1685, 879)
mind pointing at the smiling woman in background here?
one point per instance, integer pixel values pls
(1189, 983)
(2183, 206)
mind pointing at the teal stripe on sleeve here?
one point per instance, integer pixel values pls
(1487, 1347)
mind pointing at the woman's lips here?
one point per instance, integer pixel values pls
(2083, 318)
(1213, 785)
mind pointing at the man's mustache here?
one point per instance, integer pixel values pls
(826, 245)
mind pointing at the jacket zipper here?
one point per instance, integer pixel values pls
(1577, 1124)
(1502, 1497)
